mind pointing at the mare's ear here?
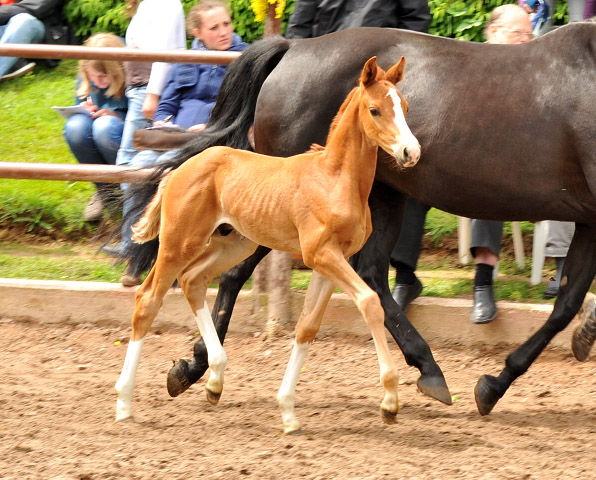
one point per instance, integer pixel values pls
(396, 73)
(369, 72)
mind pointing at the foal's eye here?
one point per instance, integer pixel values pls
(374, 112)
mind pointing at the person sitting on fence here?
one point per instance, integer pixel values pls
(95, 138)
(27, 21)
(189, 94)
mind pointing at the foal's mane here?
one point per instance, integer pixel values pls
(315, 147)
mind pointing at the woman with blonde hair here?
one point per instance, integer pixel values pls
(94, 138)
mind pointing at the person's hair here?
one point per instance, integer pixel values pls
(131, 8)
(194, 20)
(113, 68)
(498, 15)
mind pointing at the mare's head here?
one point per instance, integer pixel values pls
(383, 112)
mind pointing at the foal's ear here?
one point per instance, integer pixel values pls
(369, 71)
(396, 73)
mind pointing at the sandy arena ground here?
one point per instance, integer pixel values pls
(57, 406)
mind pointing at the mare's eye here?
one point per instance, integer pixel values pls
(374, 112)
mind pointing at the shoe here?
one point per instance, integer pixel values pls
(404, 294)
(485, 308)
(94, 209)
(19, 69)
(128, 279)
(552, 290)
(112, 250)
(584, 334)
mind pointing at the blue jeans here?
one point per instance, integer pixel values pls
(135, 120)
(22, 28)
(94, 141)
(145, 158)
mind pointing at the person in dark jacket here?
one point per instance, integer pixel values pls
(190, 91)
(25, 21)
(313, 18)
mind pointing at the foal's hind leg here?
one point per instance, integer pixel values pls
(184, 373)
(148, 300)
(317, 297)
(578, 273)
(221, 254)
(329, 262)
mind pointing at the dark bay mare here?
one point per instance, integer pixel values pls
(508, 132)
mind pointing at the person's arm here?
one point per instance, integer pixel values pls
(169, 103)
(301, 20)
(414, 15)
(38, 8)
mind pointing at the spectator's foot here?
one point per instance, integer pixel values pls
(94, 209)
(584, 334)
(485, 308)
(112, 250)
(128, 279)
(20, 68)
(552, 290)
(404, 294)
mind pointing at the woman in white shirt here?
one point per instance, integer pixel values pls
(156, 25)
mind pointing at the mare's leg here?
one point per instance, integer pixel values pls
(221, 254)
(329, 262)
(148, 300)
(317, 297)
(578, 273)
(184, 373)
(372, 264)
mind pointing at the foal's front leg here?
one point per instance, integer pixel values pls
(331, 263)
(317, 297)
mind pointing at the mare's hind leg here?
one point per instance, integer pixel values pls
(317, 297)
(578, 273)
(372, 264)
(185, 373)
(329, 262)
(221, 253)
(148, 300)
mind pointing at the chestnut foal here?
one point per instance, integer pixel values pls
(213, 211)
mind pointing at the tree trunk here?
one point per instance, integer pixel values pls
(272, 24)
(278, 291)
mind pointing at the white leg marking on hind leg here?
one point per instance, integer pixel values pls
(287, 391)
(216, 355)
(126, 383)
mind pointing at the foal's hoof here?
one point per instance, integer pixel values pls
(435, 387)
(486, 394)
(388, 417)
(212, 397)
(178, 378)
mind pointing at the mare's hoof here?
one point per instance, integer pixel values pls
(486, 394)
(435, 387)
(388, 417)
(178, 378)
(212, 397)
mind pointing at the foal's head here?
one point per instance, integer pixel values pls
(383, 112)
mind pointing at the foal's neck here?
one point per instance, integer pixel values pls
(348, 150)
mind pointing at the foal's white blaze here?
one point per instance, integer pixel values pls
(126, 383)
(408, 140)
(287, 391)
(216, 355)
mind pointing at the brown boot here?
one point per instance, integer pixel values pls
(128, 279)
(584, 334)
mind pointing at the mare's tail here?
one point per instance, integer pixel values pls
(229, 125)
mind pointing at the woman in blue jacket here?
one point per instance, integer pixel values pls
(191, 90)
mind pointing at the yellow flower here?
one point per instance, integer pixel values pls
(260, 7)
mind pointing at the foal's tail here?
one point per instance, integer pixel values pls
(147, 228)
(231, 119)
